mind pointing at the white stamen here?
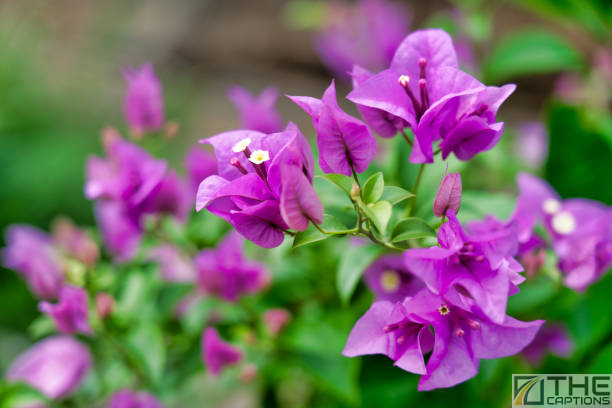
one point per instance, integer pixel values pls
(259, 156)
(403, 80)
(389, 281)
(551, 206)
(564, 223)
(241, 145)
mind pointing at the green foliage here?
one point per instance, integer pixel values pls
(354, 262)
(411, 228)
(529, 52)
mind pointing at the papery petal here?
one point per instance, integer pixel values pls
(256, 113)
(428, 264)
(368, 335)
(71, 312)
(509, 337)
(217, 353)
(261, 224)
(471, 136)
(435, 45)
(299, 202)
(120, 232)
(449, 195)
(223, 144)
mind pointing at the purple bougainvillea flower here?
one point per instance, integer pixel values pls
(172, 196)
(257, 113)
(121, 231)
(344, 142)
(75, 242)
(425, 88)
(31, 253)
(71, 312)
(367, 34)
(470, 270)
(126, 398)
(226, 272)
(449, 195)
(143, 105)
(551, 339)
(56, 366)
(580, 230)
(380, 121)
(390, 280)
(175, 267)
(264, 185)
(128, 173)
(218, 354)
(200, 164)
(460, 338)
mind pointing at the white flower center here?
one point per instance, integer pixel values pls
(444, 310)
(259, 156)
(403, 80)
(564, 223)
(551, 206)
(241, 145)
(389, 281)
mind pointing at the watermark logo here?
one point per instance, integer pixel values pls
(561, 390)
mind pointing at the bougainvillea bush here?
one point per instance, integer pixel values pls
(347, 263)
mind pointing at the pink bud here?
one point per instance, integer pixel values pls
(276, 320)
(105, 304)
(248, 373)
(449, 195)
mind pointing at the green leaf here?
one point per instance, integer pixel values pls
(373, 188)
(21, 395)
(395, 195)
(341, 181)
(330, 224)
(528, 52)
(411, 228)
(354, 262)
(380, 214)
(146, 345)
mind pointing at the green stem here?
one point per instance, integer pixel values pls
(406, 138)
(415, 189)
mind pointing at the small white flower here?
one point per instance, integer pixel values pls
(259, 156)
(389, 281)
(564, 223)
(403, 80)
(241, 145)
(551, 206)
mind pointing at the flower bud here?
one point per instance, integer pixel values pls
(449, 195)
(276, 319)
(355, 191)
(105, 304)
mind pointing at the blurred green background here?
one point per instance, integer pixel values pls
(61, 82)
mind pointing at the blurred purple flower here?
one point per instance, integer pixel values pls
(105, 304)
(532, 144)
(552, 339)
(276, 320)
(344, 142)
(264, 184)
(366, 34)
(143, 104)
(31, 253)
(128, 173)
(175, 267)
(425, 88)
(226, 272)
(256, 113)
(580, 230)
(71, 313)
(200, 164)
(126, 398)
(218, 354)
(172, 196)
(121, 231)
(390, 280)
(471, 271)
(449, 195)
(56, 366)
(75, 242)
(460, 338)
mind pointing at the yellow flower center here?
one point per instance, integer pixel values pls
(259, 156)
(444, 310)
(389, 281)
(241, 145)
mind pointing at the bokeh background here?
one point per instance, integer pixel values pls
(61, 82)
